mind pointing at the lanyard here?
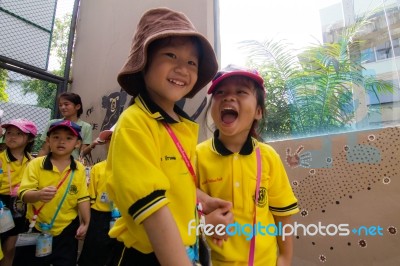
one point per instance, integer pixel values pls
(253, 239)
(36, 212)
(181, 151)
(191, 170)
(12, 191)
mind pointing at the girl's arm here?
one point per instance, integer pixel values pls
(285, 247)
(44, 195)
(165, 238)
(84, 217)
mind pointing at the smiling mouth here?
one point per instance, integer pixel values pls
(177, 82)
(229, 116)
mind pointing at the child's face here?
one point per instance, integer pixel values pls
(234, 106)
(67, 108)
(172, 71)
(15, 138)
(62, 141)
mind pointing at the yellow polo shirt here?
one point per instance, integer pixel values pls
(9, 164)
(40, 173)
(97, 188)
(232, 177)
(145, 171)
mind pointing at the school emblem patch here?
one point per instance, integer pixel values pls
(73, 190)
(262, 197)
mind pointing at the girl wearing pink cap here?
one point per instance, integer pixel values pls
(19, 139)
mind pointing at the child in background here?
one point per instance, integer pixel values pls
(148, 178)
(70, 106)
(19, 139)
(98, 245)
(237, 104)
(46, 182)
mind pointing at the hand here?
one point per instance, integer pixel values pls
(47, 193)
(210, 204)
(220, 216)
(298, 159)
(98, 141)
(81, 232)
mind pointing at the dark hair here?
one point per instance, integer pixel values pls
(31, 143)
(260, 97)
(256, 127)
(74, 98)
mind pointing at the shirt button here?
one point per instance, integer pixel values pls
(237, 184)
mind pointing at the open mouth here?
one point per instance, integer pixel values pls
(229, 116)
(176, 82)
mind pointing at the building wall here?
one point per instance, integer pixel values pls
(103, 38)
(353, 179)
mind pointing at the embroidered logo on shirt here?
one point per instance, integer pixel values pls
(262, 197)
(168, 158)
(73, 190)
(211, 180)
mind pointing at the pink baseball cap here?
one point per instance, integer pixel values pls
(106, 134)
(24, 125)
(233, 70)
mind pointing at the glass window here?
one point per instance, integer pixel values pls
(322, 65)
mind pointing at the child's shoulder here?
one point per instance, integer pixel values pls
(101, 164)
(267, 150)
(204, 144)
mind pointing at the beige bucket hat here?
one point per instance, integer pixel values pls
(156, 24)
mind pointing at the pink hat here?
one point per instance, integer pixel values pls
(24, 125)
(106, 134)
(232, 70)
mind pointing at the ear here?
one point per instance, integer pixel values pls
(258, 114)
(78, 144)
(77, 107)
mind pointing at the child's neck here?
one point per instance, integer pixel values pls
(233, 143)
(18, 153)
(60, 161)
(73, 118)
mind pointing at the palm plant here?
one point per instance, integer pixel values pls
(316, 84)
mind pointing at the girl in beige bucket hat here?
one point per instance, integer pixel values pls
(149, 165)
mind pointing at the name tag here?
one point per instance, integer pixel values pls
(26, 239)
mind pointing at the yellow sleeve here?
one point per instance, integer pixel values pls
(93, 184)
(30, 177)
(135, 180)
(80, 177)
(282, 201)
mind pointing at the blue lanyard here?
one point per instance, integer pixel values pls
(62, 200)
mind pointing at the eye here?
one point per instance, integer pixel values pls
(172, 55)
(192, 63)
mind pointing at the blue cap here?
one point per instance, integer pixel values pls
(74, 128)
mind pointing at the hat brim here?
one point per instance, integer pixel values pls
(130, 76)
(247, 74)
(5, 126)
(66, 127)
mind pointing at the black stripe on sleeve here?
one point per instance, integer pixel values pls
(145, 203)
(284, 209)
